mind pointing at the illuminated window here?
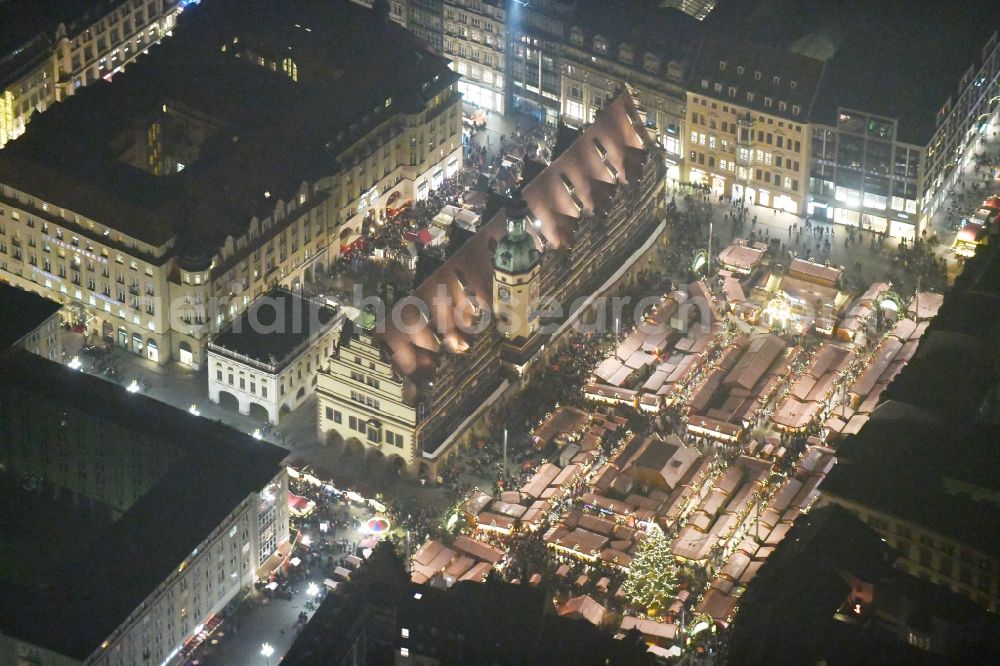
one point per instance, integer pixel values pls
(290, 68)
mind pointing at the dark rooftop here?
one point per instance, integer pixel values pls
(22, 20)
(667, 33)
(100, 584)
(787, 614)
(894, 58)
(797, 76)
(656, 455)
(275, 327)
(21, 313)
(935, 432)
(469, 623)
(256, 151)
(905, 468)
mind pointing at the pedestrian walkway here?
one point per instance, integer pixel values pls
(973, 182)
(498, 126)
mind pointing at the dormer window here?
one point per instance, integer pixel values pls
(576, 36)
(795, 109)
(651, 63)
(792, 85)
(739, 69)
(756, 76)
(704, 84)
(600, 149)
(625, 54)
(567, 183)
(732, 91)
(767, 102)
(749, 98)
(776, 81)
(600, 44)
(722, 65)
(782, 106)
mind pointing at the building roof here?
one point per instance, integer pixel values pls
(740, 256)
(251, 151)
(931, 47)
(26, 21)
(935, 420)
(468, 623)
(799, 608)
(215, 469)
(819, 273)
(275, 328)
(21, 313)
(584, 607)
(758, 357)
(460, 291)
(666, 33)
(767, 72)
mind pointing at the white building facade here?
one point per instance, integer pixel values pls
(268, 388)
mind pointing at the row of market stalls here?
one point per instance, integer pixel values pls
(811, 392)
(492, 521)
(660, 354)
(735, 388)
(713, 515)
(761, 529)
(879, 367)
(466, 559)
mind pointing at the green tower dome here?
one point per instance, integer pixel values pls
(516, 251)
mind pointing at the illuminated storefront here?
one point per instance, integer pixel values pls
(480, 95)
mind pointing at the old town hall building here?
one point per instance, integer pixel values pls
(410, 383)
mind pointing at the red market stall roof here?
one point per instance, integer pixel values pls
(300, 505)
(423, 236)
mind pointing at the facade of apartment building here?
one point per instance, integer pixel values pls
(95, 44)
(960, 123)
(929, 554)
(747, 133)
(475, 40)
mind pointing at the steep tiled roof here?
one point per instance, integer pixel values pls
(454, 293)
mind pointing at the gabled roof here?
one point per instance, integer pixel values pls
(463, 285)
(617, 134)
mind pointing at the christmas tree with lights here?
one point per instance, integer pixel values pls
(652, 580)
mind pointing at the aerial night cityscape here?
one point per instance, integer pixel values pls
(500, 332)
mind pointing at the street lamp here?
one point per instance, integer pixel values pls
(133, 386)
(194, 410)
(75, 363)
(257, 434)
(312, 590)
(266, 650)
